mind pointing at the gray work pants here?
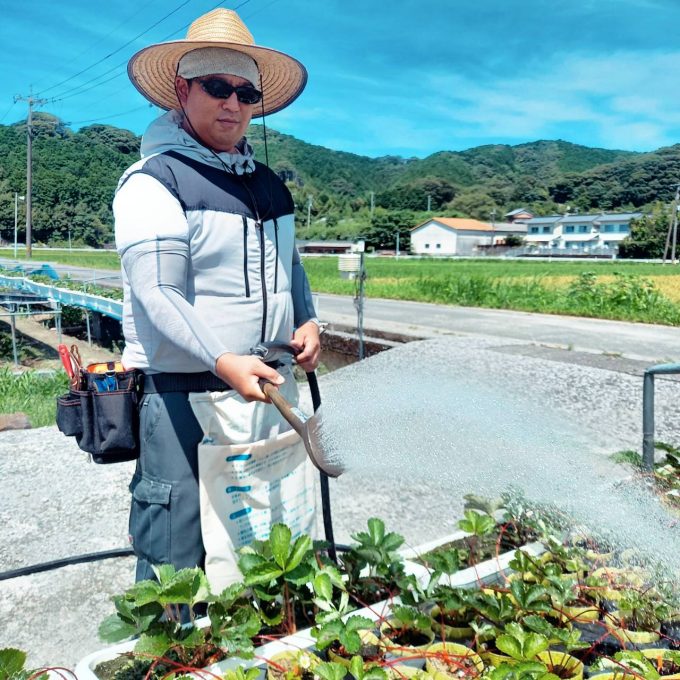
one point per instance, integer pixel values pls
(165, 521)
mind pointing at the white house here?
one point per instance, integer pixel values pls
(450, 236)
(600, 232)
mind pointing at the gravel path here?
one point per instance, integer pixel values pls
(55, 503)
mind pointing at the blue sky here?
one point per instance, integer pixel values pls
(405, 77)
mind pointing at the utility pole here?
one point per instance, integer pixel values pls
(429, 202)
(17, 198)
(493, 226)
(672, 235)
(372, 203)
(32, 101)
(309, 210)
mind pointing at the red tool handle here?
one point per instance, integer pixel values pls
(65, 357)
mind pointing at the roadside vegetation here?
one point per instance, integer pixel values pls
(641, 292)
(33, 393)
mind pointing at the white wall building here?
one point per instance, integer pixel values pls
(450, 236)
(580, 233)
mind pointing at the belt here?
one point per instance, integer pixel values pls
(156, 383)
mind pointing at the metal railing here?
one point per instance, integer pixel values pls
(95, 303)
(648, 410)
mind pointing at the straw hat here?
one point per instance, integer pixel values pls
(153, 69)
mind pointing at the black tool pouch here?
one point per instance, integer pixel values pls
(104, 423)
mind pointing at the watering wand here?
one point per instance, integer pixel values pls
(308, 427)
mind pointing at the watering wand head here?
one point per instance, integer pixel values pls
(309, 429)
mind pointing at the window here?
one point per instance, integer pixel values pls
(427, 245)
(583, 229)
(609, 227)
(546, 230)
(533, 230)
(623, 227)
(439, 245)
(569, 229)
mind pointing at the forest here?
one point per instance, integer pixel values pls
(337, 194)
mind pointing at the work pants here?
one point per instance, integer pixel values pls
(165, 522)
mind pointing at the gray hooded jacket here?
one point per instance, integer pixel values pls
(207, 245)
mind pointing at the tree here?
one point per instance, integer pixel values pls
(382, 232)
(647, 235)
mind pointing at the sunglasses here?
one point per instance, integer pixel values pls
(221, 89)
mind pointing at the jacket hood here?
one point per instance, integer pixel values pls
(167, 134)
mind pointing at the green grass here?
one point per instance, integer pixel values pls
(627, 294)
(96, 259)
(32, 393)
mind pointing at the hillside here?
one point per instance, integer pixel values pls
(75, 174)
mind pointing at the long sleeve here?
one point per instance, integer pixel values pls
(157, 273)
(303, 304)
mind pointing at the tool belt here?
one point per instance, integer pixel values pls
(101, 412)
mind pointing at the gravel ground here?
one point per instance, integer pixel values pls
(56, 504)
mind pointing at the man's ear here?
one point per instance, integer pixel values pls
(182, 89)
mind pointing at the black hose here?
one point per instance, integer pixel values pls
(66, 561)
(325, 490)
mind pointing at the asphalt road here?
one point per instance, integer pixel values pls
(644, 342)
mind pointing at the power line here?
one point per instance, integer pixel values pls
(109, 34)
(139, 35)
(79, 88)
(114, 115)
(11, 106)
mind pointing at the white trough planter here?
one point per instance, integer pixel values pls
(485, 573)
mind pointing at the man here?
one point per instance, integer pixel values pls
(210, 269)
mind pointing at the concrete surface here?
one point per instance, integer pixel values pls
(56, 503)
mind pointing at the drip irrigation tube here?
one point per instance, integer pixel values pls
(66, 561)
(325, 490)
(126, 552)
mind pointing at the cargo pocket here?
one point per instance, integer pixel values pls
(150, 518)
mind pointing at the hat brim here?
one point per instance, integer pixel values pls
(153, 70)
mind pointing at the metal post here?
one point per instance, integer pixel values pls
(57, 321)
(648, 421)
(16, 219)
(12, 322)
(87, 322)
(360, 307)
(397, 244)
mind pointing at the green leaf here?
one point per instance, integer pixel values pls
(533, 644)
(350, 640)
(376, 529)
(263, 573)
(154, 645)
(301, 547)
(279, 540)
(143, 592)
(510, 646)
(164, 572)
(114, 629)
(356, 667)
(355, 623)
(330, 671)
(323, 586)
(11, 662)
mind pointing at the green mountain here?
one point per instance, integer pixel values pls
(75, 175)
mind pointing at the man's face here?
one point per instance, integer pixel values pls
(220, 123)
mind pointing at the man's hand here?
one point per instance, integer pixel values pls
(306, 339)
(243, 372)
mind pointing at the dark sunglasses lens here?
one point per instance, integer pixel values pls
(220, 89)
(217, 88)
(248, 95)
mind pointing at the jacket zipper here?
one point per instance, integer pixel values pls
(276, 259)
(260, 228)
(245, 256)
